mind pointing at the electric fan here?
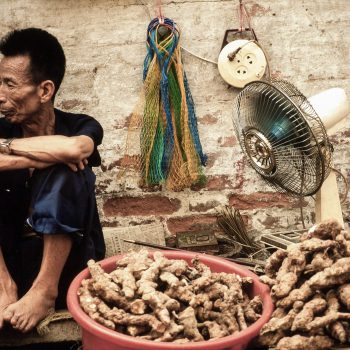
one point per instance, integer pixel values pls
(284, 137)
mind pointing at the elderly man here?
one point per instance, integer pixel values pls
(49, 225)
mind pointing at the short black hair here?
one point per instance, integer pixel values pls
(46, 54)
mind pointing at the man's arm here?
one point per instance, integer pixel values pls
(53, 148)
(11, 162)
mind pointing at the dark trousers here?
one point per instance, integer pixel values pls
(61, 202)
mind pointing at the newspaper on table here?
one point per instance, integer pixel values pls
(114, 237)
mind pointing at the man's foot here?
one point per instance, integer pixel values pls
(34, 306)
(8, 296)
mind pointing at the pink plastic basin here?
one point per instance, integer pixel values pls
(98, 337)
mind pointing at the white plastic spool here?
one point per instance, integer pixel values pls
(249, 63)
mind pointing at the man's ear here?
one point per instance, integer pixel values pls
(47, 90)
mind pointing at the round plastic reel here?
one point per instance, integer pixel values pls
(249, 63)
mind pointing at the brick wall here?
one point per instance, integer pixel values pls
(307, 43)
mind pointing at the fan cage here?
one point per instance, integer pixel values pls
(282, 136)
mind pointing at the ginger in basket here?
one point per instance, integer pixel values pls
(167, 300)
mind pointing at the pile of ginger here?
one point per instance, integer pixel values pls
(310, 287)
(167, 300)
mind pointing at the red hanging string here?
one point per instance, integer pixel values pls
(159, 11)
(244, 18)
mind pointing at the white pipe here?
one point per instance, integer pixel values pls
(331, 105)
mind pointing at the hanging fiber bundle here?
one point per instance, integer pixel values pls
(170, 148)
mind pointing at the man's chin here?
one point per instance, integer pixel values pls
(12, 119)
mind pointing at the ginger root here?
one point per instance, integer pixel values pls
(310, 285)
(344, 295)
(168, 300)
(187, 319)
(327, 229)
(336, 328)
(306, 315)
(298, 342)
(274, 263)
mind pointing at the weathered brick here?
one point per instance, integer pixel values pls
(127, 161)
(212, 157)
(140, 206)
(203, 207)
(101, 186)
(116, 223)
(208, 119)
(123, 123)
(220, 182)
(192, 223)
(227, 141)
(258, 10)
(269, 221)
(263, 200)
(239, 167)
(70, 104)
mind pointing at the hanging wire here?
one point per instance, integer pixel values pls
(243, 17)
(200, 57)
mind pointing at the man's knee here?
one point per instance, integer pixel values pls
(61, 179)
(60, 198)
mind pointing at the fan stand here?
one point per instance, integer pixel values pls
(328, 201)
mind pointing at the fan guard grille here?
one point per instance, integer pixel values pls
(282, 136)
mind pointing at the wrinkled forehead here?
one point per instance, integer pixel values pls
(15, 67)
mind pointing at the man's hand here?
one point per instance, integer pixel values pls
(78, 166)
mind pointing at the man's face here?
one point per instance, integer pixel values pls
(19, 96)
